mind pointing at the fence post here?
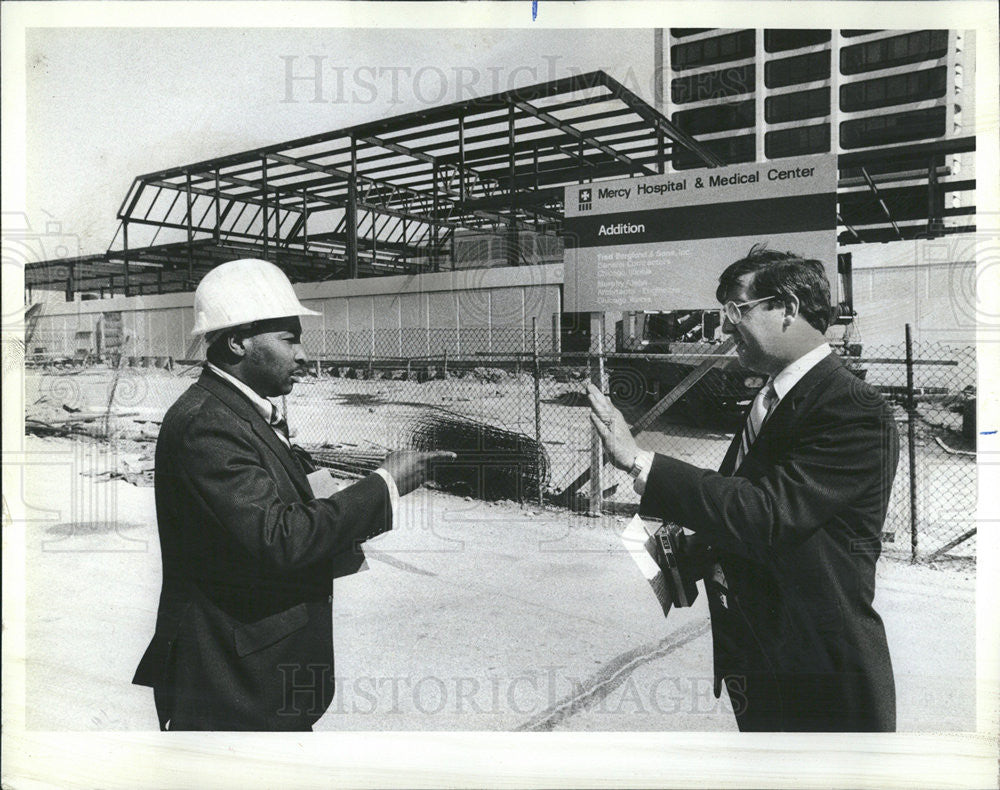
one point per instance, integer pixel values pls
(537, 372)
(911, 432)
(596, 447)
(444, 373)
(111, 394)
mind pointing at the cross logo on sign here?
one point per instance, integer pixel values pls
(585, 200)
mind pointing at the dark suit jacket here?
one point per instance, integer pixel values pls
(243, 636)
(797, 530)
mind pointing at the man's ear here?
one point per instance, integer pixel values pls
(236, 344)
(791, 309)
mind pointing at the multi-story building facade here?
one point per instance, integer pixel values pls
(764, 94)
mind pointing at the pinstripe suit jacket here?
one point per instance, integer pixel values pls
(243, 637)
(796, 530)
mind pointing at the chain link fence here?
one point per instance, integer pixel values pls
(510, 399)
(932, 510)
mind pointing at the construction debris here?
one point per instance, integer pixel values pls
(347, 462)
(952, 450)
(491, 464)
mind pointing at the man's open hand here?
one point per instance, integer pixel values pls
(410, 468)
(612, 429)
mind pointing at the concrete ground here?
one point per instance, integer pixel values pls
(363, 412)
(473, 616)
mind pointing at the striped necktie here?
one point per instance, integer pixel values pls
(279, 424)
(763, 404)
(760, 410)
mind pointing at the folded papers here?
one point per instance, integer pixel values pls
(323, 483)
(349, 562)
(654, 547)
(639, 538)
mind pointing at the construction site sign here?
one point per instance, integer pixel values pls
(660, 242)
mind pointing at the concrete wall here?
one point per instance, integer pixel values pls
(929, 284)
(463, 312)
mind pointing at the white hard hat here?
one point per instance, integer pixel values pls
(241, 292)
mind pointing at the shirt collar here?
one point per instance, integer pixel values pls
(791, 375)
(266, 409)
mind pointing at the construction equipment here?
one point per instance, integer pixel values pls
(656, 351)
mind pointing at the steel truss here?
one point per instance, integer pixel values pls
(393, 196)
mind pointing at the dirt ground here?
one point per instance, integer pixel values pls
(473, 616)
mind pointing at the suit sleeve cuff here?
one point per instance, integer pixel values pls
(643, 462)
(393, 491)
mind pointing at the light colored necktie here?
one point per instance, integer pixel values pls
(760, 410)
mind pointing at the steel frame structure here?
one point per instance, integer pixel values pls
(390, 196)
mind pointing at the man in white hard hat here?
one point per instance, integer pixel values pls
(243, 637)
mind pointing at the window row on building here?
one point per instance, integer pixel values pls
(895, 51)
(815, 103)
(895, 89)
(862, 132)
(797, 69)
(718, 49)
(882, 53)
(728, 47)
(731, 81)
(797, 106)
(881, 91)
(717, 117)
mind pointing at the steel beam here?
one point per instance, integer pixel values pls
(190, 229)
(264, 223)
(878, 197)
(955, 145)
(352, 214)
(181, 226)
(362, 203)
(580, 136)
(218, 209)
(934, 222)
(647, 113)
(125, 253)
(435, 227)
(208, 192)
(512, 239)
(244, 182)
(407, 151)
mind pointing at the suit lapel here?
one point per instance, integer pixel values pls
(786, 413)
(236, 401)
(729, 462)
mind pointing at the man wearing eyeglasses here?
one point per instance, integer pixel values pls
(788, 530)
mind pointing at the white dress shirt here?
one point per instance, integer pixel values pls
(269, 412)
(264, 407)
(782, 384)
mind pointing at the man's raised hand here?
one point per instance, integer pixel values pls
(612, 428)
(410, 468)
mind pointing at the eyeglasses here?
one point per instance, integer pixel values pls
(734, 310)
